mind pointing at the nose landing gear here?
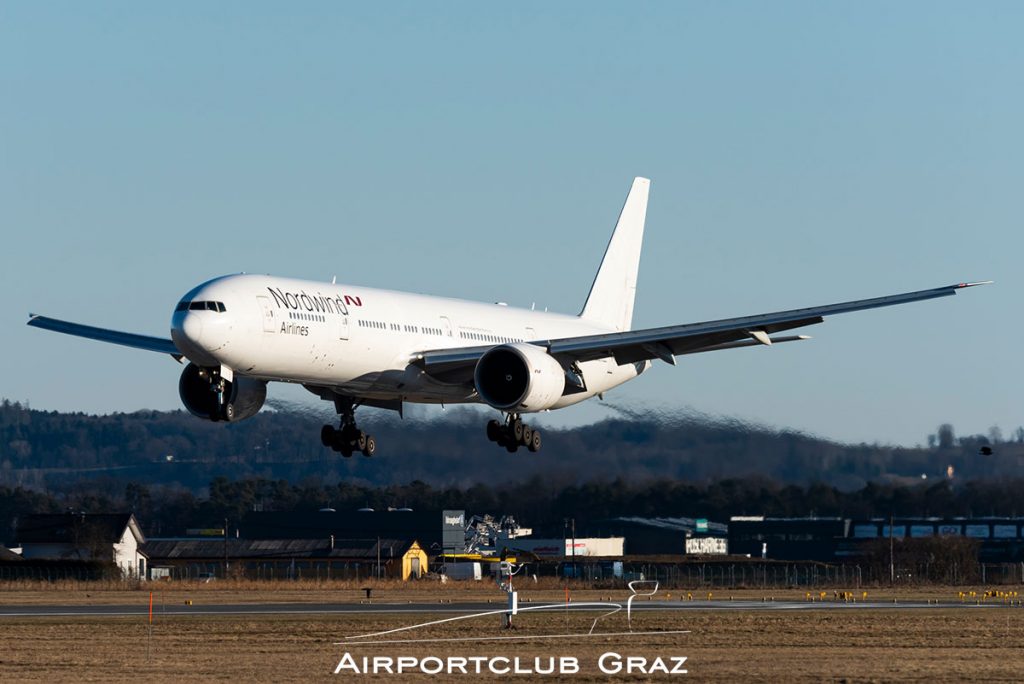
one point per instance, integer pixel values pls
(514, 434)
(348, 438)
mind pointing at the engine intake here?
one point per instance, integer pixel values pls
(519, 377)
(244, 396)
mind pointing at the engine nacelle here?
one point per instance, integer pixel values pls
(519, 377)
(244, 396)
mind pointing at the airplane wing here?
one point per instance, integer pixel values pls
(451, 365)
(146, 342)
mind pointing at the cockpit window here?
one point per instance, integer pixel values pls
(201, 306)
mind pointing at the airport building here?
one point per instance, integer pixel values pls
(1000, 540)
(287, 558)
(438, 531)
(114, 538)
(650, 536)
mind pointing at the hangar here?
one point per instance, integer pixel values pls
(289, 558)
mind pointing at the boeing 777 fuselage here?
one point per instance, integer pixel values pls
(358, 346)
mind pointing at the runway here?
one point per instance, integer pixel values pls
(382, 608)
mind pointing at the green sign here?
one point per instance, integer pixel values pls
(702, 524)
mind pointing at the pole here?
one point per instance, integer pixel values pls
(149, 641)
(574, 548)
(892, 560)
(565, 577)
(225, 548)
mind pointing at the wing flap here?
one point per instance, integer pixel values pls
(155, 344)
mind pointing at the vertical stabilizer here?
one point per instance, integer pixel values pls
(610, 302)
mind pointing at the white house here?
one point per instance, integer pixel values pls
(112, 537)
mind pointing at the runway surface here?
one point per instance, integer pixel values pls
(180, 608)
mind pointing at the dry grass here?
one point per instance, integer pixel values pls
(234, 591)
(880, 645)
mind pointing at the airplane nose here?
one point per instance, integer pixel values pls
(187, 333)
(192, 328)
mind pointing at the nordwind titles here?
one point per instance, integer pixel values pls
(318, 303)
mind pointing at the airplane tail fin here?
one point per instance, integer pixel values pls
(610, 302)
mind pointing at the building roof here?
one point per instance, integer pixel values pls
(161, 550)
(8, 555)
(670, 524)
(426, 526)
(76, 528)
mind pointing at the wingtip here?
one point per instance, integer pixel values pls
(961, 286)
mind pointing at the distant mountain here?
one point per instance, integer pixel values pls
(41, 449)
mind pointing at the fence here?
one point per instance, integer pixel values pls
(779, 575)
(58, 571)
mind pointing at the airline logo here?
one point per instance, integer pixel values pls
(315, 303)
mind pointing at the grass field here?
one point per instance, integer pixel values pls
(934, 644)
(547, 590)
(938, 643)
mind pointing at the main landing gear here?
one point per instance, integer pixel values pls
(513, 434)
(348, 438)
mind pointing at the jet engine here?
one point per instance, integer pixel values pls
(242, 398)
(519, 377)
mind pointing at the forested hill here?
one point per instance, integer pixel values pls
(42, 449)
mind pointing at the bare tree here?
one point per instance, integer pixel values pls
(947, 438)
(995, 435)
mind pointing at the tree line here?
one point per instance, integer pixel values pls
(169, 510)
(51, 451)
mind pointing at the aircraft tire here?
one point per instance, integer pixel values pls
(517, 430)
(527, 435)
(369, 446)
(535, 442)
(511, 448)
(327, 436)
(493, 430)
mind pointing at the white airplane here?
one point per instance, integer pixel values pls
(358, 346)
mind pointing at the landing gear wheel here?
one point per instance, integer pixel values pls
(494, 431)
(341, 443)
(229, 412)
(513, 433)
(327, 436)
(348, 438)
(527, 435)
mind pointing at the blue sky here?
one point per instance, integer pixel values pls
(800, 153)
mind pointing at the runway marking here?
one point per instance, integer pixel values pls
(356, 609)
(509, 638)
(502, 611)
